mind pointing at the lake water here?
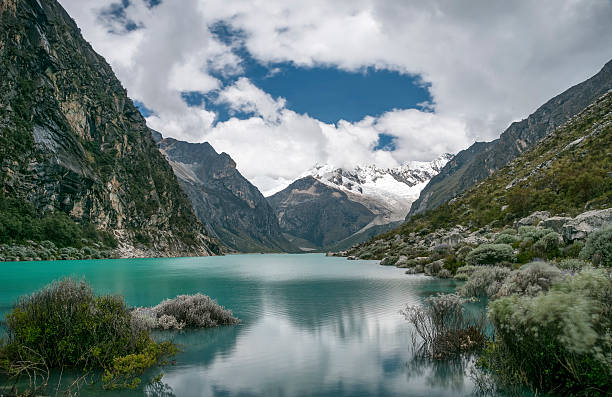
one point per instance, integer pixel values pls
(311, 325)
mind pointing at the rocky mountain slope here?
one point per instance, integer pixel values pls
(562, 184)
(229, 206)
(480, 160)
(77, 159)
(332, 208)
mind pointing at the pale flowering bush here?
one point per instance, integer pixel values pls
(484, 281)
(559, 340)
(530, 279)
(169, 322)
(573, 265)
(199, 311)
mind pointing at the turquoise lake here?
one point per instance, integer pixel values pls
(311, 325)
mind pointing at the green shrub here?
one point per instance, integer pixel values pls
(490, 254)
(573, 265)
(533, 232)
(573, 250)
(507, 239)
(464, 272)
(598, 247)
(484, 281)
(64, 325)
(463, 251)
(444, 327)
(548, 245)
(558, 341)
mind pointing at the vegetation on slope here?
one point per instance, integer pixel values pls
(567, 173)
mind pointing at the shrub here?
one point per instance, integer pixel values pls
(598, 247)
(66, 325)
(558, 341)
(184, 311)
(533, 232)
(463, 251)
(548, 245)
(509, 231)
(444, 327)
(507, 239)
(572, 265)
(490, 254)
(464, 272)
(573, 250)
(484, 281)
(530, 279)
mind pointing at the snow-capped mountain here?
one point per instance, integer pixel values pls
(334, 208)
(387, 192)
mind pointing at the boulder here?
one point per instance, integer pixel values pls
(582, 225)
(555, 223)
(402, 261)
(388, 261)
(533, 219)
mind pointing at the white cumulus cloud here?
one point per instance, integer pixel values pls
(486, 63)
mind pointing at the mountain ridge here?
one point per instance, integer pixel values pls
(481, 159)
(231, 208)
(333, 208)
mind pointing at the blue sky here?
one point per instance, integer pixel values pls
(325, 93)
(342, 82)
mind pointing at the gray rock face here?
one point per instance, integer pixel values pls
(584, 224)
(72, 141)
(533, 219)
(480, 160)
(556, 223)
(229, 206)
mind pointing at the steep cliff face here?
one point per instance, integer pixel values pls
(230, 207)
(72, 142)
(483, 158)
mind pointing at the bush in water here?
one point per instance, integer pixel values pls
(444, 327)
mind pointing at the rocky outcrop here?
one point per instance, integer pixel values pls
(229, 206)
(73, 142)
(581, 226)
(482, 159)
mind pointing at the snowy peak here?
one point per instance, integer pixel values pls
(385, 191)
